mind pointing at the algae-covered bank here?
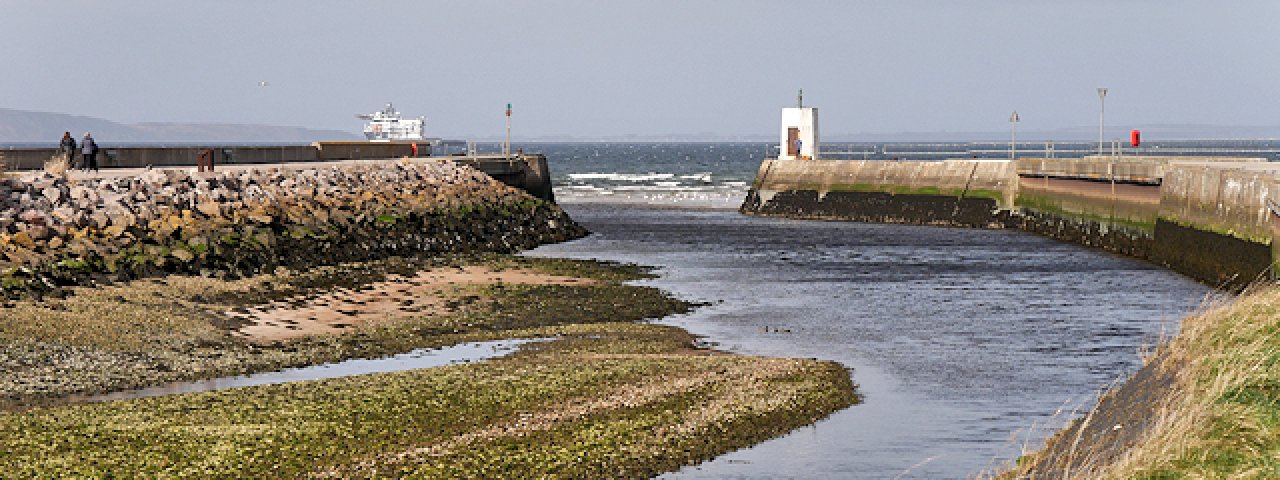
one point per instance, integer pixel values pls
(1206, 404)
(608, 395)
(607, 398)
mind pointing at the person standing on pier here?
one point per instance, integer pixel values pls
(799, 143)
(89, 150)
(67, 148)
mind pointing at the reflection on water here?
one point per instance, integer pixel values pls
(958, 338)
(421, 358)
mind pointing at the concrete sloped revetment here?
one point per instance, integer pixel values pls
(1209, 218)
(55, 231)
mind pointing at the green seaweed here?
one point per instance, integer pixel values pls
(1047, 204)
(893, 189)
(551, 410)
(1220, 230)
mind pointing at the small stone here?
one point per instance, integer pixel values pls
(259, 216)
(21, 256)
(209, 209)
(100, 219)
(183, 255)
(32, 217)
(38, 232)
(64, 214)
(54, 194)
(23, 239)
(154, 177)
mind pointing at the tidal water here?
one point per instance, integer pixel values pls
(415, 359)
(967, 345)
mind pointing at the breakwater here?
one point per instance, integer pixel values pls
(55, 231)
(965, 193)
(525, 171)
(174, 156)
(1206, 217)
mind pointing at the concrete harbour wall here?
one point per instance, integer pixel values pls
(1210, 218)
(1230, 199)
(952, 193)
(185, 156)
(1129, 169)
(1116, 217)
(528, 171)
(139, 157)
(956, 178)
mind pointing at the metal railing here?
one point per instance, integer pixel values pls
(924, 151)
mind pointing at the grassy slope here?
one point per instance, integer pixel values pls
(605, 400)
(1219, 418)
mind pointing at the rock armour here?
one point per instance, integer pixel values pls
(55, 232)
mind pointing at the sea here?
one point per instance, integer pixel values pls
(968, 346)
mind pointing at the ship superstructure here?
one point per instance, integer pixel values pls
(387, 126)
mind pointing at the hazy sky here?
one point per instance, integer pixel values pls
(647, 67)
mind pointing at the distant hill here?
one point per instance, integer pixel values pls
(18, 126)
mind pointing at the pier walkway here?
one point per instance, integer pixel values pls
(528, 172)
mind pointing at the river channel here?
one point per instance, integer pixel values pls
(966, 344)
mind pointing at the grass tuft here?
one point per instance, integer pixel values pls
(1216, 414)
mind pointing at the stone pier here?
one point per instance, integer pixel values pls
(1212, 218)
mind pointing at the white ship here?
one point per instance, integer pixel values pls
(387, 126)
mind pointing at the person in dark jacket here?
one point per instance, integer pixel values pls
(89, 149)
(67, 148)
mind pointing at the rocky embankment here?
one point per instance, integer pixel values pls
(57, 232)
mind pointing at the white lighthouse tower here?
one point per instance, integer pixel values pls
(798, 138)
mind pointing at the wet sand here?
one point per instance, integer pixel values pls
(335, 311)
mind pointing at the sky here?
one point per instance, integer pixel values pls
(653, 67)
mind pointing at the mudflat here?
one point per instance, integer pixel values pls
(609, 396)
(330, 313)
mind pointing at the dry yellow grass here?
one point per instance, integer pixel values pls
(1221, 419)
(1218, 416)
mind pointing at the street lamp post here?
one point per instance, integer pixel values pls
(1013, 142)
(1102, 111)
(507, 147)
